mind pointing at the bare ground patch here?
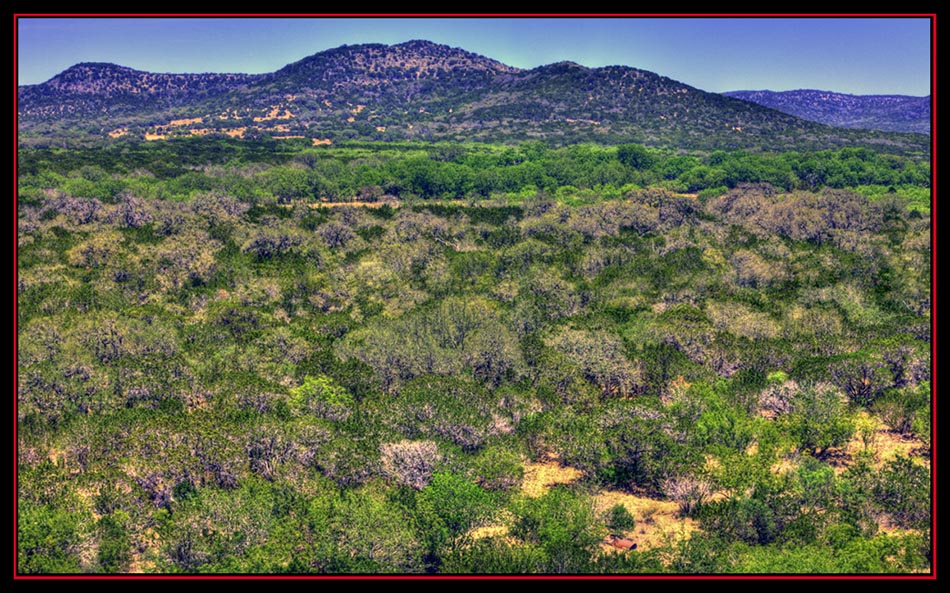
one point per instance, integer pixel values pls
(540, 476)
(379, 204)
(876, 443)
(185, 122)
(885, 444)
(657, 521)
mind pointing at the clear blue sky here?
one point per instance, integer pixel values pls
(857, 55)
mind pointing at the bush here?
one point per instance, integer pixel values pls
(903, 491)
(863, 379)
(115, 545)
(410, 463)
(619, 518)
(322, 397)
(687, 492)
(562, 523)
(636, 156)
(499, 469)
(819, 419)
(898, 408)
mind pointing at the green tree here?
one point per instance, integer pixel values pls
(321, 396)
(115, 544)
(371, 535)
(498, 468)
(447, 509)
(49, 539)
(619, 518)
(903, 491)
(819, 419)
(636, 156)
(563, 523)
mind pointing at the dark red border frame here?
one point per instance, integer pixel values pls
(932, 576)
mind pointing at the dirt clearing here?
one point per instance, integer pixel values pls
(540, 476)
(657, 521)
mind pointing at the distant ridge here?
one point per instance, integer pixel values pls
(891, 113)
(91, 87)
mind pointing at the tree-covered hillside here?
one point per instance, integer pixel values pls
(421, 91)
(895, 113)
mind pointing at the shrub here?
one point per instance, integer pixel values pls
(619, 518)
(898, 408)
(687, 492)
(499, 469)
(322, 397)
(410, 463)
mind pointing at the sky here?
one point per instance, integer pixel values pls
(847, 55)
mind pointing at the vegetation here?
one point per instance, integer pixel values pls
(268, 357)
(897, 113)
(420, 90)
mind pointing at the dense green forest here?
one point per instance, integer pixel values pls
(240, 356)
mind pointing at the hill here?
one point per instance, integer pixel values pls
(421, 90)
(892, 113)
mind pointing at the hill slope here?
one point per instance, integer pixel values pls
(892, 113)
(422, 90)
(89, 89)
